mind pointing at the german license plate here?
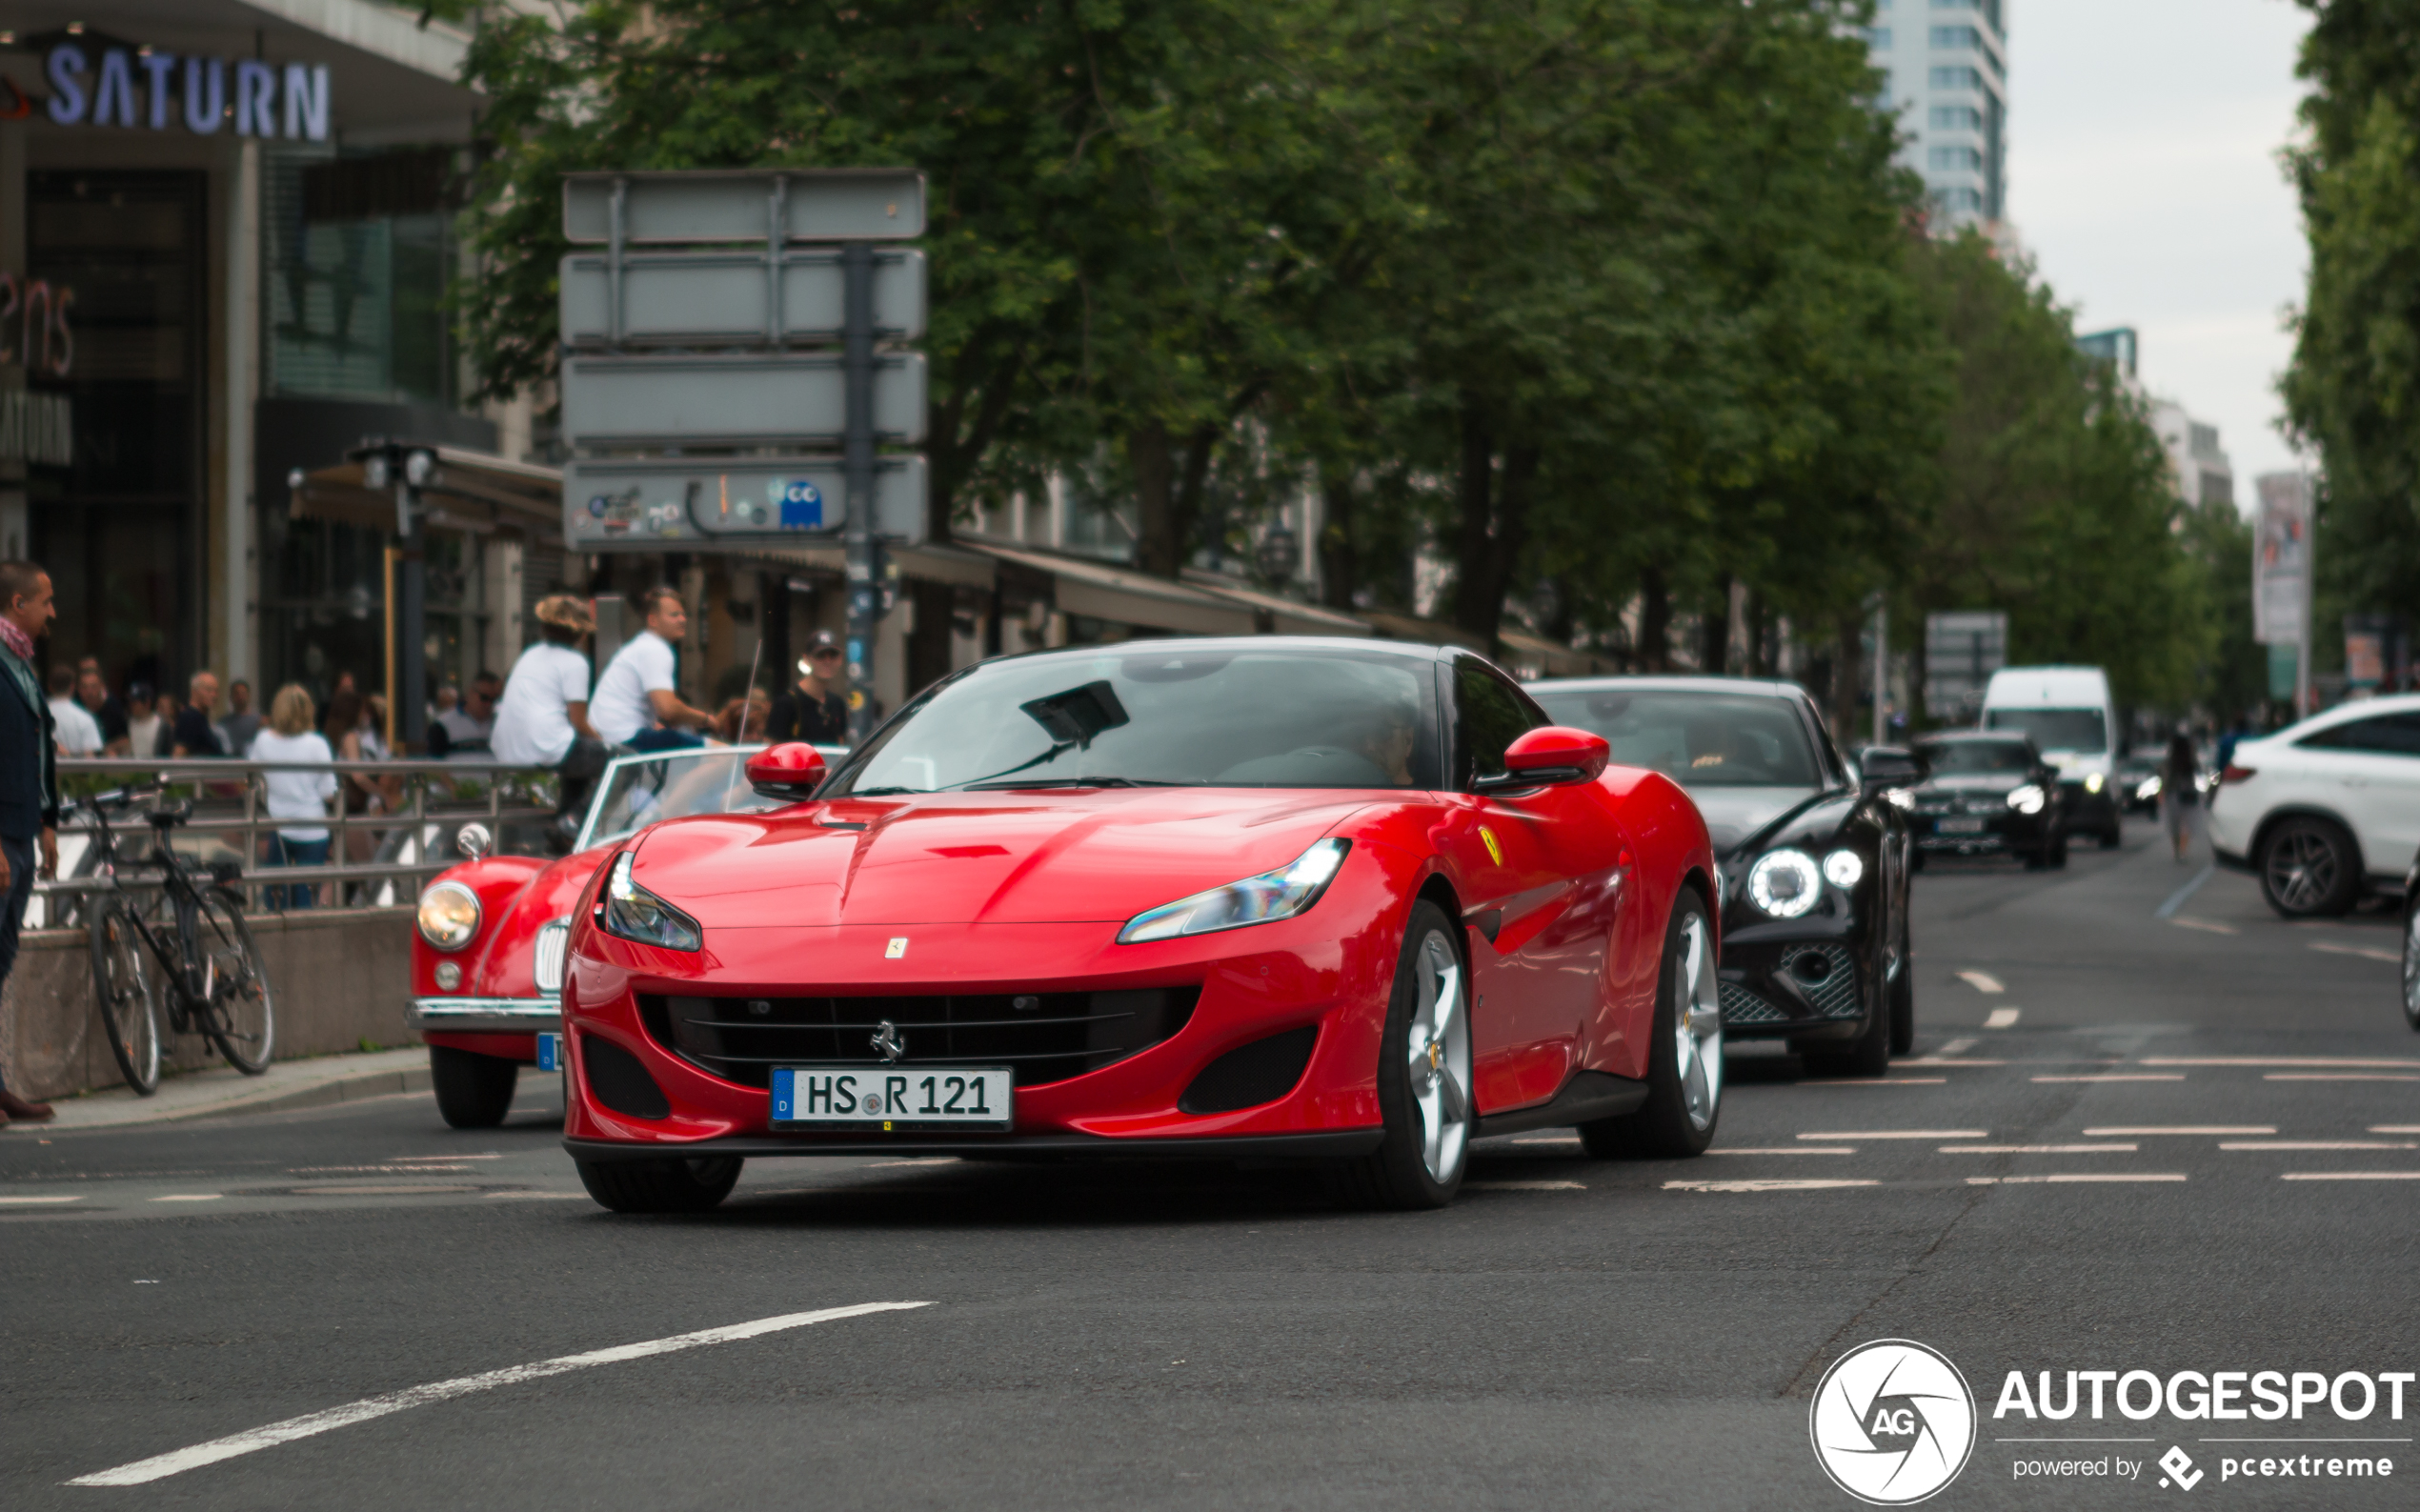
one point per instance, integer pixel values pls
(1959, 826)
(549, 1052)
(891, 1099)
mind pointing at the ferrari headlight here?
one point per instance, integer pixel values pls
(633, 912)
(2028, 799)
(1785, 883)
(1842, 868)
(2092, 782)
(1261, 899)
(448, 916)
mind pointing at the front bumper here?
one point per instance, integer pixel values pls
(508, 1015)
(2006, 831)
(1797, 978)
(1332, 1144)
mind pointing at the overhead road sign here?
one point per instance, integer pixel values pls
(670, 503)
(732, 399)
(714, 205)
(720, 298)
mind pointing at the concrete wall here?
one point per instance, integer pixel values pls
(337, 977)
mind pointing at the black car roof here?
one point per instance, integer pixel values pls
(1766, 687)
(1408, 650)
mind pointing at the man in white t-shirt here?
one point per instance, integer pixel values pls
(636, 705)
(79, 734)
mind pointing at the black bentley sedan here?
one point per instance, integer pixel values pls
(1988, 791)
(1814, 855)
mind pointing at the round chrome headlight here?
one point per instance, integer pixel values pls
(1785, 883)
(1842, 868)
(448, 916)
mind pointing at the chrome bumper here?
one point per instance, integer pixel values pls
(511, 1016)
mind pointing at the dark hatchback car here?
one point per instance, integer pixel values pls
(1987, 794)
(1814, 859)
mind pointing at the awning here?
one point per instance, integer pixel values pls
(1280, 616)
(470, 490)
(932, 563)
(1411, 627)
(1122, 595)
(1536, 657)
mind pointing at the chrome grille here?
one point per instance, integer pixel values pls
(553, 940)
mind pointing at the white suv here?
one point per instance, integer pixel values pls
(2325, 809)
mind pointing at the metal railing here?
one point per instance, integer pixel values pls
(379, 857)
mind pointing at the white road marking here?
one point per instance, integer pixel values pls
(2345, 1063)
(2351, 1176)
(1763, 1187)
(2002, 1018)
(1524, 1186)
(2209, 926)
(536, 1197)
(2134, 1130)
(1955, 1047)
(401, 1159)
(1791, 1149)
(1944, 1060)
(2365, 951)
(36, 1202)
(400, 1189)
(2121, 1075)
(1897, 1134)
(2066, 1177)
(1877, 1081)
(2334, 1075)
(2032, 1149)
(2177, 898)
(190, 1197)
(2318, 1144)
(162, 1465)
(2389, 1128)
(1982, 981)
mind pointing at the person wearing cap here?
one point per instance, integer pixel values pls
(542, 719)
(813, 709)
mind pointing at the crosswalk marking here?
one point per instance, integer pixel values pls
(2064, 1178)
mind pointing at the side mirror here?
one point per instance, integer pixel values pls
(787, 772)
(1891, 766)
(1552, 755)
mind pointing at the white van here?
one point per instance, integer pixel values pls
(2074, 722)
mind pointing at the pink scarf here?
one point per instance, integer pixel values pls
(16, 641)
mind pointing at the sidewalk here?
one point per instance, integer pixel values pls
(286, 1085)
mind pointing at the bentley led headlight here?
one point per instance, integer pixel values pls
(1785, 883)
(633, 912)
(2027, 800)
(448, 916)
(1842, 869)
(1259, 899)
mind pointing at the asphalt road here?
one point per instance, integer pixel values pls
(1570, 1333)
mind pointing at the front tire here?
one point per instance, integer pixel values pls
(474, 1091)
(123, 990)
(1868, 1055)
(1685, 1070)
(1424, 1077)
(660, 1186)
(2412, 967)
(2309, 869)
(1902, 1001)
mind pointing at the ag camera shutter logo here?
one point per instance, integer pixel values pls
(1894, 1422)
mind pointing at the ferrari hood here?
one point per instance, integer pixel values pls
(1735, 815)
(1004, 857)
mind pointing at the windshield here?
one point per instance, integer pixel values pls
(639, 791)
(1950, 756)
(1697, 739)
(1166, 713)
(2053, 729)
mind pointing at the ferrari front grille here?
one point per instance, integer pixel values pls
(1041, 1037)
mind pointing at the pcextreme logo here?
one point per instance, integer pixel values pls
(1892, 1422)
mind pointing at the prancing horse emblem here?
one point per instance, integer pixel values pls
(887, 1042)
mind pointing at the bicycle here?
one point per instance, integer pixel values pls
(214, 982)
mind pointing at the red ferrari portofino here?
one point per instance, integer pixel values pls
(1344, 902)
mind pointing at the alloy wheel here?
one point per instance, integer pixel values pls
(2411, 970)
(1697, 1027)
(1439, 1046)
(2302, 870)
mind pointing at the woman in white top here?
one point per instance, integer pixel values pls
(298, 795)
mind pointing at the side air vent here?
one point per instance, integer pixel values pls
(618, 1081)
(1251, 1075)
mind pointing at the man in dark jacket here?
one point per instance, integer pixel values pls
(814, 709)
(29, 771)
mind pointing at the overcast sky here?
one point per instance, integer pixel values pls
(2143, 176)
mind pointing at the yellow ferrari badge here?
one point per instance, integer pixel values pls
(1495, 851)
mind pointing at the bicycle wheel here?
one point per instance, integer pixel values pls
(124, 990)
(239, 1019)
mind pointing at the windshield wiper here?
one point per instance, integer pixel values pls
(1067, 782)
(880, 793)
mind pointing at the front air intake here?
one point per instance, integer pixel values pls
(1251, 1075)
(617, 1080)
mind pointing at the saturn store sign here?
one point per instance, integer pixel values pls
(149, 89)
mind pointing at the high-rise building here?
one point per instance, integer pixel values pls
(1945, 67)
